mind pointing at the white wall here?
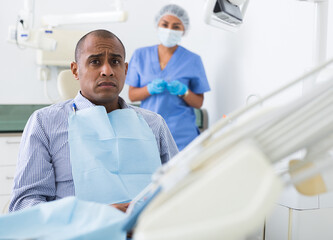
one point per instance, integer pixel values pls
(273, 46)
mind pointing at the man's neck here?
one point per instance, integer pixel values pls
(113, 106)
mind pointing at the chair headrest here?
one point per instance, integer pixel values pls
(68, 86)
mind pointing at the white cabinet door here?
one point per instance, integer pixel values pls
(312, 224)
(277, 224)
(9, 147)
(6, 179)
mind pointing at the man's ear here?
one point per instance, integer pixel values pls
(75, 71)
(126, 68)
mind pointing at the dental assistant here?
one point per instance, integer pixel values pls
(95, 147)
(169, 79)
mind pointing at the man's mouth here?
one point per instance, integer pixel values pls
(106, 84)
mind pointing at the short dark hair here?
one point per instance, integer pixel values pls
(98, 33)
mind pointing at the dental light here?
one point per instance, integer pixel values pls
(225, 14)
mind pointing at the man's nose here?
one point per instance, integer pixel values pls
(106, 70)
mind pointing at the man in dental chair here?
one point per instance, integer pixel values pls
(95, 147)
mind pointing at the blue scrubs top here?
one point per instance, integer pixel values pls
(183, 66)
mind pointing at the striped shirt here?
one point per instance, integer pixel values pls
(44, 171)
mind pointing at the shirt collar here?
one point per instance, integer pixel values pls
(81, 102)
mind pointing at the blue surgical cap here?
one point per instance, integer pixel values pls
(175, 10)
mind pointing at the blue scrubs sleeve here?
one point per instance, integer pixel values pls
(199, 83)
(133, 76)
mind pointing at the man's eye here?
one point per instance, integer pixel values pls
(95, 61)
(115, 61)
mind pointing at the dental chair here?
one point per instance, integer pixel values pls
(201, 118)
(67, 85)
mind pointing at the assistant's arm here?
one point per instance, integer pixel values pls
(193, 99)
(34, 180)
(138, 93)
(198, 85)
(137, 78)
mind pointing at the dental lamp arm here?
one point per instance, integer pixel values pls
(237, 151)
(233, 135)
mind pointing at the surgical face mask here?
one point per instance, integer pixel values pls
(168, 37)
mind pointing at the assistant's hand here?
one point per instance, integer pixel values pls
(177, 88)
(157, 86)
(121, 206)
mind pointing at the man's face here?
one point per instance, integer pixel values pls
(101, 70)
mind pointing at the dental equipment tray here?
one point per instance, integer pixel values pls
(13, 117)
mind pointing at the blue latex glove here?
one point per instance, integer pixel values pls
(177, 88)
(156, 86)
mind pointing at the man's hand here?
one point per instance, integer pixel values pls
(121, 206)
